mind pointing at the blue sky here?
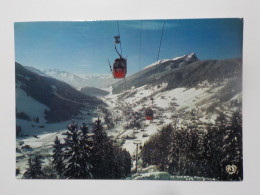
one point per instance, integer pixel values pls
(82, 47)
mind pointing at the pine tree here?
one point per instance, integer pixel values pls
(29, 174)
(58, 157)
(223, 146)
(109, 162)
(156, 150)
(127, 162)
(50, 172)
(100, 135)
(212, 151)
(119, 166)
(34, 171)
(77, 153)
(197, 163)
(164, 143)
(183, 152)
(232, 148)
(38, 167)
(176, 153)
(104, 161)
(100, 151)
(86, 149)
(72, 153)
(150, 151)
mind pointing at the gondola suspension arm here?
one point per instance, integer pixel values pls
(118, 52)
(110, 67)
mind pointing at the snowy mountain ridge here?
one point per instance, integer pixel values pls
(69, 78)
(81, 80)
(184, 71)
(186, 57)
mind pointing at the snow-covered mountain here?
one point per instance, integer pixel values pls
(180, 60)
(184, 71)
(67, 77)
(162, 69)
(58, 100)
(81, 80)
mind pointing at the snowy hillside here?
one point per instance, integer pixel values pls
(29, 105)
(61, 101)
(186, 106)
(34, 109)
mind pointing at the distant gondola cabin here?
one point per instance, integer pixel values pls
(119, 68)
(149, 114)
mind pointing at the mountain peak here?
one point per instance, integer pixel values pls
(185, 58)
(192, 55)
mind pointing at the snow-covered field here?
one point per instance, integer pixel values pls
(40, 145)
(157, 175)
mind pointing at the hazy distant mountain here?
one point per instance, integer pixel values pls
(99, 80)
(69, 78)
(82, 80)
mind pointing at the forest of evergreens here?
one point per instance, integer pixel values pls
(180, 152)
(190, 152)
(83, 155)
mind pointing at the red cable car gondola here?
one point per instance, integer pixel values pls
(149, 114)
(119, 68)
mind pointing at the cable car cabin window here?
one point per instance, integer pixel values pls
(119, 68)
(149, 114)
